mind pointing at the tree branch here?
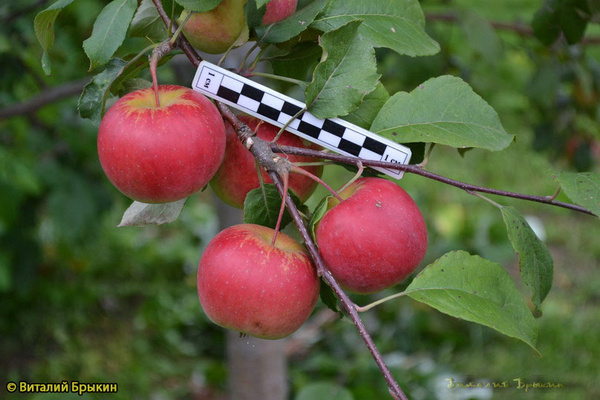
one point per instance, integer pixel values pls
(413, 169)
(343, 298)
(519, 28)
(51, 95)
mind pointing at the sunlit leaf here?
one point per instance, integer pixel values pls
(535, 261)
(109, 31)
(398, 25)
(346, 74)
(140, 214)
(43, 25)
(477, 290)
(442, 110)
(583, 188)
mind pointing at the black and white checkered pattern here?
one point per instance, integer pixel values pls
(278, 109)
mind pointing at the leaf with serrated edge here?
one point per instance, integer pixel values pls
(443, 110)
(372, 103)
(292, 26)
(91, 101)
(140, 214)
(535, 261)
(477, 290)
(347, 72)
(109, 31)
(397, 25)
(199, 5)
(262, 208)
(43, 25)
(147, 23)
(582, 188)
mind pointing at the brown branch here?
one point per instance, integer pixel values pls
(519, 28)
(182, 42)
(343, 298)
(48, 96)
(413, 169)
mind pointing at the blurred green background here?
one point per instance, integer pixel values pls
(83, 300)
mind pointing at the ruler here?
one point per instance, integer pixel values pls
(278, 109)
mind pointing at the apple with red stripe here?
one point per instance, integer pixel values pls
(374, 238)
(248, 283)
(159, 147)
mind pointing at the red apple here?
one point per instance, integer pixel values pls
(161, 154)
(238, 175)
(278, 10)
(216, 30)
(374, 238)
(248, 285)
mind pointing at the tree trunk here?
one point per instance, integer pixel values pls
(257, 368)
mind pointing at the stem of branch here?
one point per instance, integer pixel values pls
(419, 171)
(48, 96)
(343, 298)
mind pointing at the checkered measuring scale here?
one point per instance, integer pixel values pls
(278, 109)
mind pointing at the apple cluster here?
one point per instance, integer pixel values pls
(163, 144)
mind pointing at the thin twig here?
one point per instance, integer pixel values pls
(419, 171)
(519, 28)
(46, 97)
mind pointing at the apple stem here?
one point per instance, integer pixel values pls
(378, 302)
(286, 182)
(315, 178)
(423, 163)
(159, 52)
(283, 128)
(361, 168)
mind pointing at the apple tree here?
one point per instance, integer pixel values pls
(369, 235)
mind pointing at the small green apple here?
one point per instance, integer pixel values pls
(216, 30)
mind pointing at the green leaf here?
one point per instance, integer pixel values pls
(147, 23)
(370, 106)
(112, 79)
(347, 72)
(254, 13)
(535, 261)
(199, 5)
(292, 26)
(43, 25)
(317, 215)
(582, 188)
(298, 62)
(477, 290)
(109, 31)
(93, 98)
(262, 207)
(397, 25)
(442, 110)
(329, 299)
(140, 214)
(324, 391)
(260, 3)
(569, 17)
